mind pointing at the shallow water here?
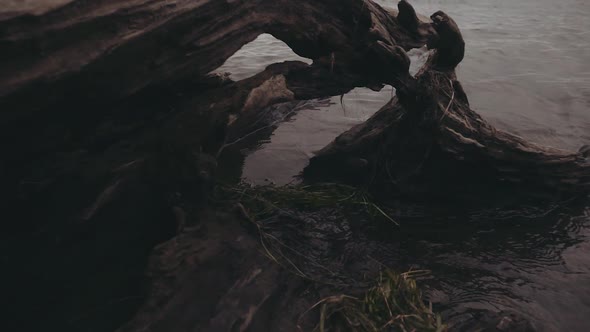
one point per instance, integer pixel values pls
(526, 71)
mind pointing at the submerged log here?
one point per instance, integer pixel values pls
(429, 143)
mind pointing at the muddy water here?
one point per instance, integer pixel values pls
(526, 70)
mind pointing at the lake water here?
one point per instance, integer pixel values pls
(527, 71)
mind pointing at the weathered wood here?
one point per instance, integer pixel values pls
(112, 48)
(65, 70)
(109, 121)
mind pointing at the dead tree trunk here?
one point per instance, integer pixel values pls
(112, 48)
(63, 71)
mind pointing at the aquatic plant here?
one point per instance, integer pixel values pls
(393, 304)
(264, 201)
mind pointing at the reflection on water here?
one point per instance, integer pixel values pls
(294, 142)
(526, 70)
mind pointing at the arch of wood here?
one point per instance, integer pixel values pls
(86, 56)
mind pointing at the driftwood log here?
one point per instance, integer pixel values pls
(111, 122)
(89, 74)
(62, 71)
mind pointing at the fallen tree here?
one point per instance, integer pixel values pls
(49, 71)
(108, 109)
(110, 125)
(72, 73)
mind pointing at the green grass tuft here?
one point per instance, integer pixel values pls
(393, 304)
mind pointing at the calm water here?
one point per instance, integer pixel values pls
(527, 71)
